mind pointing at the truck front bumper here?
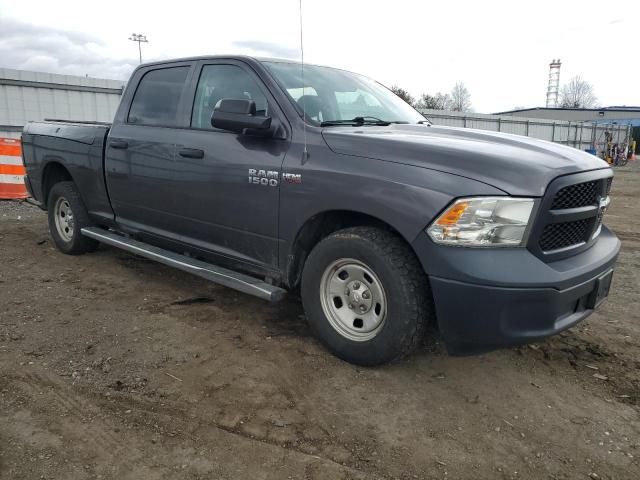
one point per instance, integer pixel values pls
(491, 298)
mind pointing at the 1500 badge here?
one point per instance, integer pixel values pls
(271, 178)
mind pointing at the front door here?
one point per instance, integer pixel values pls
(227, 185)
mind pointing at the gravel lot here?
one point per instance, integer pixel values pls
(112, 366)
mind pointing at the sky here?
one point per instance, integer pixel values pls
(500, 50)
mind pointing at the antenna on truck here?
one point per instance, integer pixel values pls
(305, 154)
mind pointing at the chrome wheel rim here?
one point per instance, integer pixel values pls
(353, 299)
(63, 216)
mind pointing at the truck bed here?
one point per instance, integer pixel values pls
(76, 148)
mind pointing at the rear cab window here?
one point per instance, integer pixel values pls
(157, 98)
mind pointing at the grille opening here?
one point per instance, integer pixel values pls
(566, 234)
(578, 195)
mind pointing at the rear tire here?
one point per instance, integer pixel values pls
(67, 215)
(366, 296)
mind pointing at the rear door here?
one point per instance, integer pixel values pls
(140, 152)
(223, 209)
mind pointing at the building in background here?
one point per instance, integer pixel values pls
(26, 96)
(605, 114)
(592, 136)
(615, 116)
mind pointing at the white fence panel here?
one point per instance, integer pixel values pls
(542, 131)
(515, 128)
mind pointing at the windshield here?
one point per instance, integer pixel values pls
(331, 95)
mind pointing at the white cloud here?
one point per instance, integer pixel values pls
(30, 47)
(499, 49)
(270, 49)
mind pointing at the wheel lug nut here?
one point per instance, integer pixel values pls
(363, 308)
(356, 285)
(350, 306)
(365, 294)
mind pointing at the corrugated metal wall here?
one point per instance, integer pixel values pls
(582, 135)
(26, 96)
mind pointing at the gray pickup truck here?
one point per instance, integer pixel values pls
(265, 177)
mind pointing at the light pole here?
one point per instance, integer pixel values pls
(138, 37)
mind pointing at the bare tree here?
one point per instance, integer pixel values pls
(578, 93)
(460, 98)
(403, 94)
(439, 101)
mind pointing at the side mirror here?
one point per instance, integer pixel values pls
(238, 115)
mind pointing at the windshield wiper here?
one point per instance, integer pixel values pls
(359, 121)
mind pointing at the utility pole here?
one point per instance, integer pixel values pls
(138, 37)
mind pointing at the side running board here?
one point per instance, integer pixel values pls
(220, 275)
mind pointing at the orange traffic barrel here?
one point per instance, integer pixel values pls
(12, 170)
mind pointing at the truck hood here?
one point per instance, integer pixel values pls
(515, 164)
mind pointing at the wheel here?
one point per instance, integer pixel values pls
(67, 216)
(366, 296)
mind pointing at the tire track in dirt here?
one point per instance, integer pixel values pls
(171, 414)
(83, 419)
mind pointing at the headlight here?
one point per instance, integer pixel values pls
(483, 222)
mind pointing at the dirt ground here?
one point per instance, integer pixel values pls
(114, 367)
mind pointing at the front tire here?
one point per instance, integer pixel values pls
(67, 215)
(366, 296)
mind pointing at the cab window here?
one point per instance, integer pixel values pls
(223, 81)
(157, 97)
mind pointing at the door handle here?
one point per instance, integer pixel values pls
(121, 144)
(191, 153)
